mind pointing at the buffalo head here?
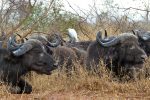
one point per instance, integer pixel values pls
(33, 55)
(125, 48)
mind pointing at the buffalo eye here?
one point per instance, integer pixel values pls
(41, 54)
(49, 51)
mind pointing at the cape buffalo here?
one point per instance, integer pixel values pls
(120, 52)
(20, 59)
(65, 58)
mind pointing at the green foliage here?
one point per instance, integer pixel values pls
(37, 11)
(56, 18)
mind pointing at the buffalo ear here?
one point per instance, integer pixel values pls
(49, 50)
(7, 55)
(10, 57)
(114, 53)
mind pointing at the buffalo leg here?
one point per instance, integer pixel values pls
(24, 86)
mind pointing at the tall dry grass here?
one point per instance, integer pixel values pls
(82, 80)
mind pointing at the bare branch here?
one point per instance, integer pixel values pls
(132, 8)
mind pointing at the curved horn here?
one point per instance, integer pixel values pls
(54, 44)
(58, 42)
(45, 40)
(25, 47)
(120, 38)
(106, 43)
(11, 44)
(60, 38)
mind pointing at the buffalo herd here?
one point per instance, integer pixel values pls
(38, 52)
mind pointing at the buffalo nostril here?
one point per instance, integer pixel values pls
(55, 65)
(144, 57)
